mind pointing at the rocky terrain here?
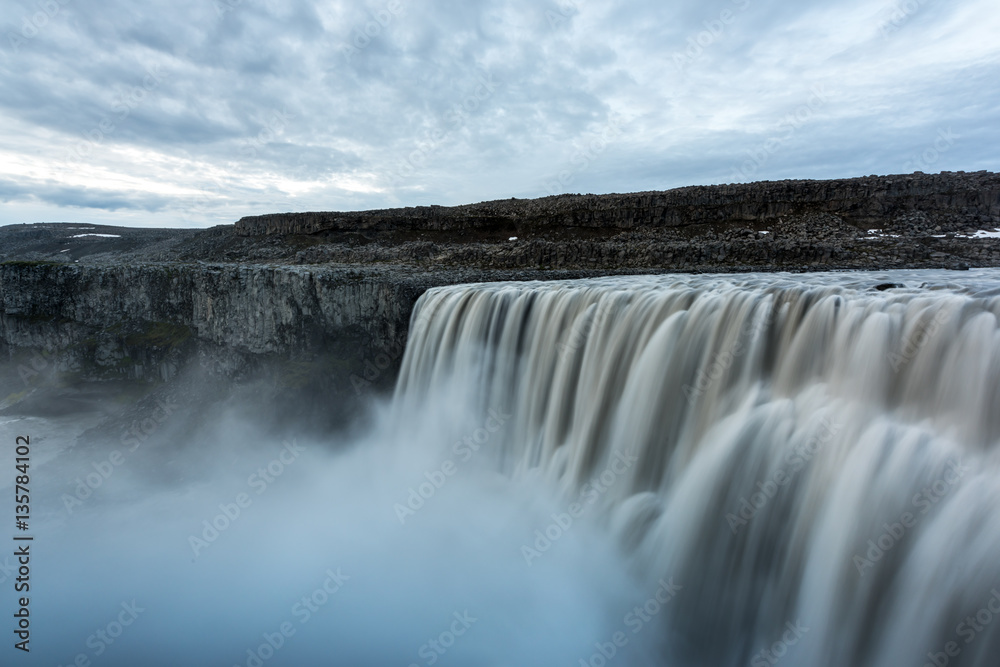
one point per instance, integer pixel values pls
(919, 220)
(863, 201)
(873, 222)
(310, 311)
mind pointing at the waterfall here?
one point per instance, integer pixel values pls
(812, 458)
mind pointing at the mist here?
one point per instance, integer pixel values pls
(395, 544)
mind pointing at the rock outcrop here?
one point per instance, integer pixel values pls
(918, 221)
(942, 198)
(144, 321)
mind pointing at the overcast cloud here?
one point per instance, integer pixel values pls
(197, 112)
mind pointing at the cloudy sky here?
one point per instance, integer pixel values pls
(197, 112)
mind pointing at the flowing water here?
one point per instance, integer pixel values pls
(673, 470)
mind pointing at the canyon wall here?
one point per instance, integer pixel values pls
(332, 334)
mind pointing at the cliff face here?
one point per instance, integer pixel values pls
(973, 197)
(292, 335)
(249, 310)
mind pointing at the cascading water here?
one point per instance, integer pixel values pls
(808, 462)
(646, 471)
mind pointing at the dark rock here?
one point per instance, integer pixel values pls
(871, 200)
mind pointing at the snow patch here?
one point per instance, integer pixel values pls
(981, 234)
(879, 234)
(105, 236)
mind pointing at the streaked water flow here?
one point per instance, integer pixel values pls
(810, 452)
